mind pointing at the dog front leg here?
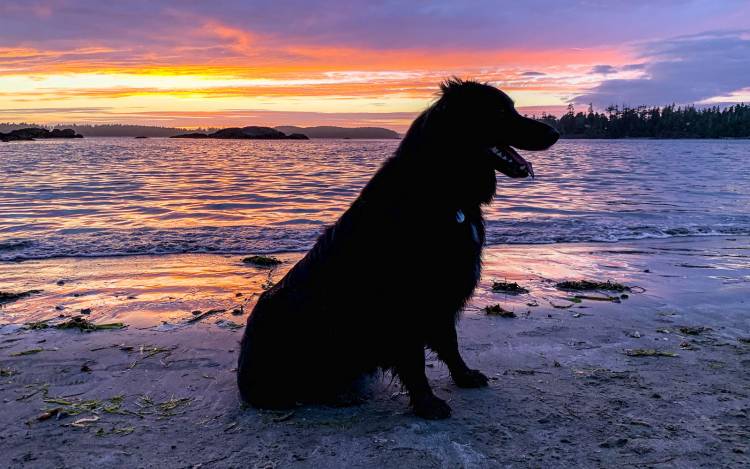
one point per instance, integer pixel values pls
(410, 370)
(445, 343)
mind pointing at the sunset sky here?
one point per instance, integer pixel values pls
(220, 63)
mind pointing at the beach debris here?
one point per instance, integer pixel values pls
(86, 311)
(37, 325)
(227, 324)
(589, 285)
(283, 417)
(238, 311)
(7, 372)
(511, 288)
(148, 351)
(685, 345)
(695, 266)
(497, 310)
(532, 303)
(640, 352)
(557, 306)
(262, 261)
(198, 316)
(688, 330)
(83, 422)
(580, 298)
(48, 414)
(167, 408)
(9, 297)
(634, 334)
(84, 325)
(26, 352)
(101, 432)
(36, 389)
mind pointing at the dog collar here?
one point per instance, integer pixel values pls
(460, 217)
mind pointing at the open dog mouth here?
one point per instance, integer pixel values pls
(509, 162)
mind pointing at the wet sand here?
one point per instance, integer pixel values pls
(564, 391)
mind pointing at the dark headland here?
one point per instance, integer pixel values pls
(246, 133)
(328, 131)
(37, 133)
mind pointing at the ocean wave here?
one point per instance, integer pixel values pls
(266, 240)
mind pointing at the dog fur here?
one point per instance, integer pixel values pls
(390, 277)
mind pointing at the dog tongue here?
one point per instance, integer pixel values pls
(510, 163)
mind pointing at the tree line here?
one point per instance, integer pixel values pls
(654, 122)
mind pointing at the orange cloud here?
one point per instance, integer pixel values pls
(219, 65)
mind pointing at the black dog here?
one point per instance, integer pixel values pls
(390, 277)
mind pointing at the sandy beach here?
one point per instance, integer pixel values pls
(570, 385)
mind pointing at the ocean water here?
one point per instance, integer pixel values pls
(120, 196)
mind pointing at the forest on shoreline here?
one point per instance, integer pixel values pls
(654, 122)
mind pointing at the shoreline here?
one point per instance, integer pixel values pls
(564, 391)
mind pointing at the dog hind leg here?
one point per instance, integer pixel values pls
(410, 370)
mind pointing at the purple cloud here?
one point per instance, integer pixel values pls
(479, 24)
(603, 69)
(683, 70)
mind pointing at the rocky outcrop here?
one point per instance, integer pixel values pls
(328, 131)
(34, 133)
(192, 135)
(246, 133)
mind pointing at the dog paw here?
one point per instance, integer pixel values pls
(432, 408)
(470, 379)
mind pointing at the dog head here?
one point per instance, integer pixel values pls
(478, 124)
(483, 123)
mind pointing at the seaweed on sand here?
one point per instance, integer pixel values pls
(37, 325)
(511, 288)
(72, 407)
(497, 310)
(580, 298)
(198, 315)
(9, 297)
(84, 325)
(688, 330)
(588, 285)
(26, 352)
(262, 261)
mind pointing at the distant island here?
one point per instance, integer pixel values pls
(129, 130)
(245, 133)
(654, 122)
(33, 133)
(341, 132)
(614, 122)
